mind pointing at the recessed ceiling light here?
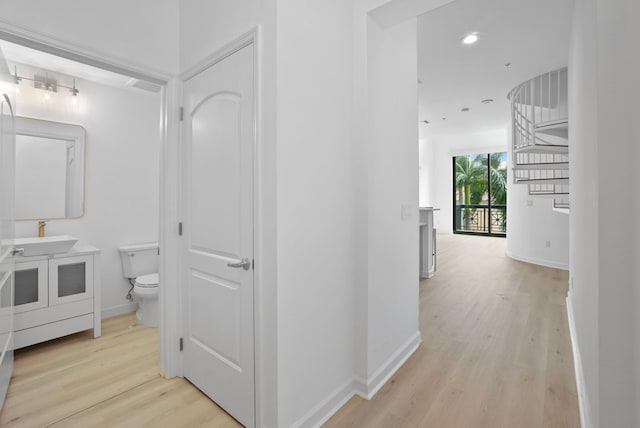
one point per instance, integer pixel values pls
(470, 39)
(466, 109)
(487, 101)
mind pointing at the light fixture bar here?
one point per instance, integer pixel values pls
(45, 82)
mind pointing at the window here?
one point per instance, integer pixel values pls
(480, 194)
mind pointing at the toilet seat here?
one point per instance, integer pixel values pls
(147, 281)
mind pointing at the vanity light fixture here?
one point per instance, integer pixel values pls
(44, 82)
(470, 39)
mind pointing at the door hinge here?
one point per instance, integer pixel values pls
(253, 264)
(181, 113)
(181, 345)
(180, 229)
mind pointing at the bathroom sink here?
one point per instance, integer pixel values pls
(46, 245)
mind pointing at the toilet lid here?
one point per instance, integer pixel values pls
(150, 280)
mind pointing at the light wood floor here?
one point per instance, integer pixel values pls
(112, 381)
(496, 350)
(495, 353)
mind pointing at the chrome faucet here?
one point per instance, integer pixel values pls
(41, 225)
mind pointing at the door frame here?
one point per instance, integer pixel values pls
(170, 326)
(169, 138)
(252, 37)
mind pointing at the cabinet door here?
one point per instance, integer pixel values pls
(70, 279)
(30, 279)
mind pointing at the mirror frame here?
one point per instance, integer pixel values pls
(59, 131)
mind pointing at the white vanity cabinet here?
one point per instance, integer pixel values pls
(56, 295)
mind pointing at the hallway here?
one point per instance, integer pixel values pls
(496, 353)
(496, 349)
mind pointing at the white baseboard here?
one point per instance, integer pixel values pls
(536, 261)
(328, 407)
(583, 398)
(119, 310)
(321, 413)
(377, 380)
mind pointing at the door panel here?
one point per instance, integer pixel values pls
(216, 173)
(217, 301)
(218, 137)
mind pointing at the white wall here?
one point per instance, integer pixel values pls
(392, 149)
(316, 296)
(426, 166)
(583, 294)
(122, 150)
(602, 299)
(440, 168)
(141, 33)
(535, 232)
(616, 189)
(636, 179)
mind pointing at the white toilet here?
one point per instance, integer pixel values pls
(140, 264)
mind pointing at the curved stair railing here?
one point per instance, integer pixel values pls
(540, 135)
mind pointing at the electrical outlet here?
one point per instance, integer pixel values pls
(547, 244)
(529, 202)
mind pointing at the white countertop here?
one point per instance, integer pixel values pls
(76, 250)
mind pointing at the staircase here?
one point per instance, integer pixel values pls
(540, 125)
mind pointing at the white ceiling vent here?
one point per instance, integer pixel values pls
(144, 85)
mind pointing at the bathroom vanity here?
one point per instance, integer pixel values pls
(56, 295)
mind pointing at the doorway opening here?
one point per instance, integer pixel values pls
(120, 110)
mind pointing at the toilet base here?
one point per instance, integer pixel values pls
(147, 312)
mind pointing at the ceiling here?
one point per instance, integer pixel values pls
(531, 35)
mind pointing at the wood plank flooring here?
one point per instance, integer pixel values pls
(496, 353)
(496, 350)
(112, 381)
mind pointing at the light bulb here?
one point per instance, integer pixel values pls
(470, 39)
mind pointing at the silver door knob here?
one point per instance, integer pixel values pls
(244, 264)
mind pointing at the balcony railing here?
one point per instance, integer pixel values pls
(482, 219)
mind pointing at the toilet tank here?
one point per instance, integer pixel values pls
(139, 259)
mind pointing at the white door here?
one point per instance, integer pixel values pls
(218, 144)
(7, 159)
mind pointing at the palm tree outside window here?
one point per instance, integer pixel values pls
(480, 194)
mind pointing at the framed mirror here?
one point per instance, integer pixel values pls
(50, 170)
